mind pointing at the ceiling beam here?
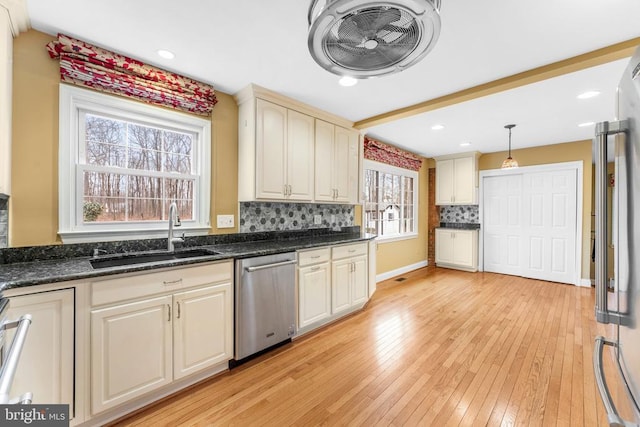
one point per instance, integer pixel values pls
(590, 59)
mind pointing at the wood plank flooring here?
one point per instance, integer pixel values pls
(442, 348)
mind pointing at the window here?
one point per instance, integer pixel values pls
(390, 200)
(123, 162)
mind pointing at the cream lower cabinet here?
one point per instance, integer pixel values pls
(349, 272)
(457, 248)
(46, 366)
(314, 286)
(140, 346)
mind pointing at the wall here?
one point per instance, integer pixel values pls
(34, 161)
(395, 255)
(557, 153)
(278, 216)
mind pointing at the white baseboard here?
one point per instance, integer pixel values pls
(398, 271)
(586, 283)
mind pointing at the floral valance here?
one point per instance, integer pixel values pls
(384, 153)
(86, 65)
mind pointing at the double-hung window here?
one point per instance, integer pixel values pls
(122, 163)
(390, 201)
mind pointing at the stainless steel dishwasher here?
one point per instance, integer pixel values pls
(265, 307)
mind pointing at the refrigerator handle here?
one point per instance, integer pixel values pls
(603, 130)
(612, 413)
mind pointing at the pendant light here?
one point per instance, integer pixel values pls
(509, 162)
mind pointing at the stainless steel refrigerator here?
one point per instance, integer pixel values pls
(617, 182)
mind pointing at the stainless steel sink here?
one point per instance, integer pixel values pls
(142, 258)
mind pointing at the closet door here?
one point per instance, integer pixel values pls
(549, 226)
(529, 224)
(502, 224)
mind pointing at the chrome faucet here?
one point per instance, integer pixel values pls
(174, 221)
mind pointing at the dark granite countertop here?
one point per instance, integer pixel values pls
(460, 225)
(29, 273)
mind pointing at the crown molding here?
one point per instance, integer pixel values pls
(18, 16)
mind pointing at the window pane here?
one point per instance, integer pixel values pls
(144, 159)
(144, 198)
(104, 197)
(104, 141)
(181, 191)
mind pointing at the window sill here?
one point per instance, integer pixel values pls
(390, 239)
(116, 235)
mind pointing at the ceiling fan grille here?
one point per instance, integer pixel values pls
(365, 38)
(372, 38)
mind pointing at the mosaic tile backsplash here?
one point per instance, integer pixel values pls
(276, 216)
(466, 214)
(4, 222)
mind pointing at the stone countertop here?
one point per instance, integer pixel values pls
(460, 225)
(23, 274)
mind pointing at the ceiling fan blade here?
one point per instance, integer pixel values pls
(350, 33)
(372, 20)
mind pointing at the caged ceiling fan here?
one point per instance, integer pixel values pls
(365, 38)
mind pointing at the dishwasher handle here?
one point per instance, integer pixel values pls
(273, 265)
(11, 363)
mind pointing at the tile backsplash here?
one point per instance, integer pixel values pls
(4, 221)
(277, 216)
(466, 214)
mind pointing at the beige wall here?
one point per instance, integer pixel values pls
(395, 255)
(34, 198)
(557, 153)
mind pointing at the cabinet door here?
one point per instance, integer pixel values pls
(300, 165)
(46, 362)
(6, 48)
(324, 153)
(203, 328)
(359, 283)
(464, 188)
(345, 165)
(444, 182)
(463, 248)
(340, 285)
(271, 143)
(314, 294)
(444, 246)
(131, 351)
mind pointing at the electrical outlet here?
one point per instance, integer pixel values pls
(225, 221)
(317, 219)
(333, 219)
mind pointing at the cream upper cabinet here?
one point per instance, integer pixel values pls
(457, 249)
(456, 180)
(290, 151)
(6, 49)
(46, 365)
(284, 153)
(336, 159)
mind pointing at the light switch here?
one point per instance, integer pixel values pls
(225, 221)
(317, 219)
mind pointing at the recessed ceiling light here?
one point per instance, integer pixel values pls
(465, 144)
(588, 94)
(437, 127)
(585, 124)
(348, 81)
(166, 54)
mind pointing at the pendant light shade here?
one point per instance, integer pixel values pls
(509, 162)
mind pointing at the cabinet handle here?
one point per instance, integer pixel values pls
(351, 251)
(315, 257)
(289, 190)
(178, 311)
(285, 189)
(172, 282)
(316, 268)
(168, 312)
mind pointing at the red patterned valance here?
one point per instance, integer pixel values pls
(384, 153)
(86, 65)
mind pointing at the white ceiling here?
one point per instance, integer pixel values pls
(233, 43)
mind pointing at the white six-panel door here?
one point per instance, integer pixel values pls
(529, 224)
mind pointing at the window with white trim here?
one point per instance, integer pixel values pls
(123, 162)
(390, 201)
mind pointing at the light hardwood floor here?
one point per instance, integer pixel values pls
(441, 348)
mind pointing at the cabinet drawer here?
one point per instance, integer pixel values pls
(349, 250)
(313, 257)
(141, 285)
